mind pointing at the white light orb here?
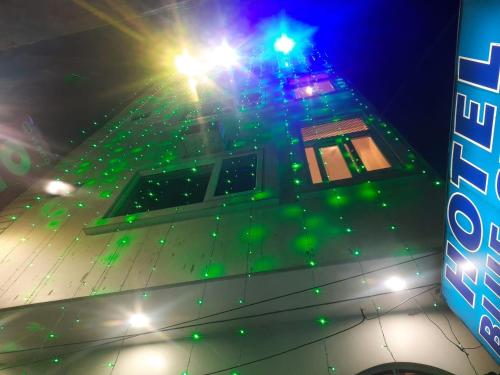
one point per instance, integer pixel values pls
(284, 44)
(57, 187)
(395, 283)
(138, 321)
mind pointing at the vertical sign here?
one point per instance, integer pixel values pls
(471, 274)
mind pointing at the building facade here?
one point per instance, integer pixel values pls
(265, 222)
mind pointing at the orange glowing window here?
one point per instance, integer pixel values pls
(313, 89)
(333, 129)
(369, 153)
(313, 166)
(335, 165)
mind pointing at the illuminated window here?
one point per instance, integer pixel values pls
(334, 163)
(341, 150)
(369, 153)
(311, 85)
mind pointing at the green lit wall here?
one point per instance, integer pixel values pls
(62, 247)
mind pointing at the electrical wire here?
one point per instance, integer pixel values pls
(458, 346)
(124, 337)
(274, 355)
(243, 317)
(162, 329)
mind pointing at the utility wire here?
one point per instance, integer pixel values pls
(242, 306)
(120, 338)
(363, 319)
(243, 317)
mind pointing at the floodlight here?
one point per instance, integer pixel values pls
(395, 283)
(138, 320)
(57, 187)
(224, 56)
(284, 44)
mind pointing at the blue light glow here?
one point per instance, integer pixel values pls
(284, 44)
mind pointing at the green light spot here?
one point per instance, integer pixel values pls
(56, 360)
(348, 230)
(242, 332)
(296, 166)
(393, 227)
(437, 183)
(316, 291)
(131, 218)
(199, 301)
(312, 263)
(356, 252)
(80, 204)
(52, 336)
(322, 321)
(196, 336)
(106, 194)
(262, 195)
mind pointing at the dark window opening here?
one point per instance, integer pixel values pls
(237, 174)
(166, 190)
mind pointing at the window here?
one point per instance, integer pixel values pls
(311, 85)
(214, 178)
(165, 190)
(237, 175)
(341, 150)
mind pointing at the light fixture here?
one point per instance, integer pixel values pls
(309, 90)
(188, 65)
(156, 362)
(224, 56)
(138, 320)
(284, 44)
(395, 283)
(57, 187)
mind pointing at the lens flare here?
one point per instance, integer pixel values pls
(224, 56)
(284, 44)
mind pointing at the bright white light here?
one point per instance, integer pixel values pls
(156, 362)
(138, 320)
(467, 266)
(224, 56)
(284, 44)
(188, 65)
(395, 283)
(309, 90)
(61, 188)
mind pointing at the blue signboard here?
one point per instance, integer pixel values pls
(471, 274)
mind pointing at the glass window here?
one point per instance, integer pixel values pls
(237, 174)
(165, 190)
(313, 165)
(341, 150)
(335, 165)
(369, 153)
(313, 89)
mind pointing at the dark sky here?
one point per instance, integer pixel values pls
(399, 54)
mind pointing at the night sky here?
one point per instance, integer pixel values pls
(399, 54)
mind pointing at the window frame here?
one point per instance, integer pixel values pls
(209, 199)
(388, 153)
